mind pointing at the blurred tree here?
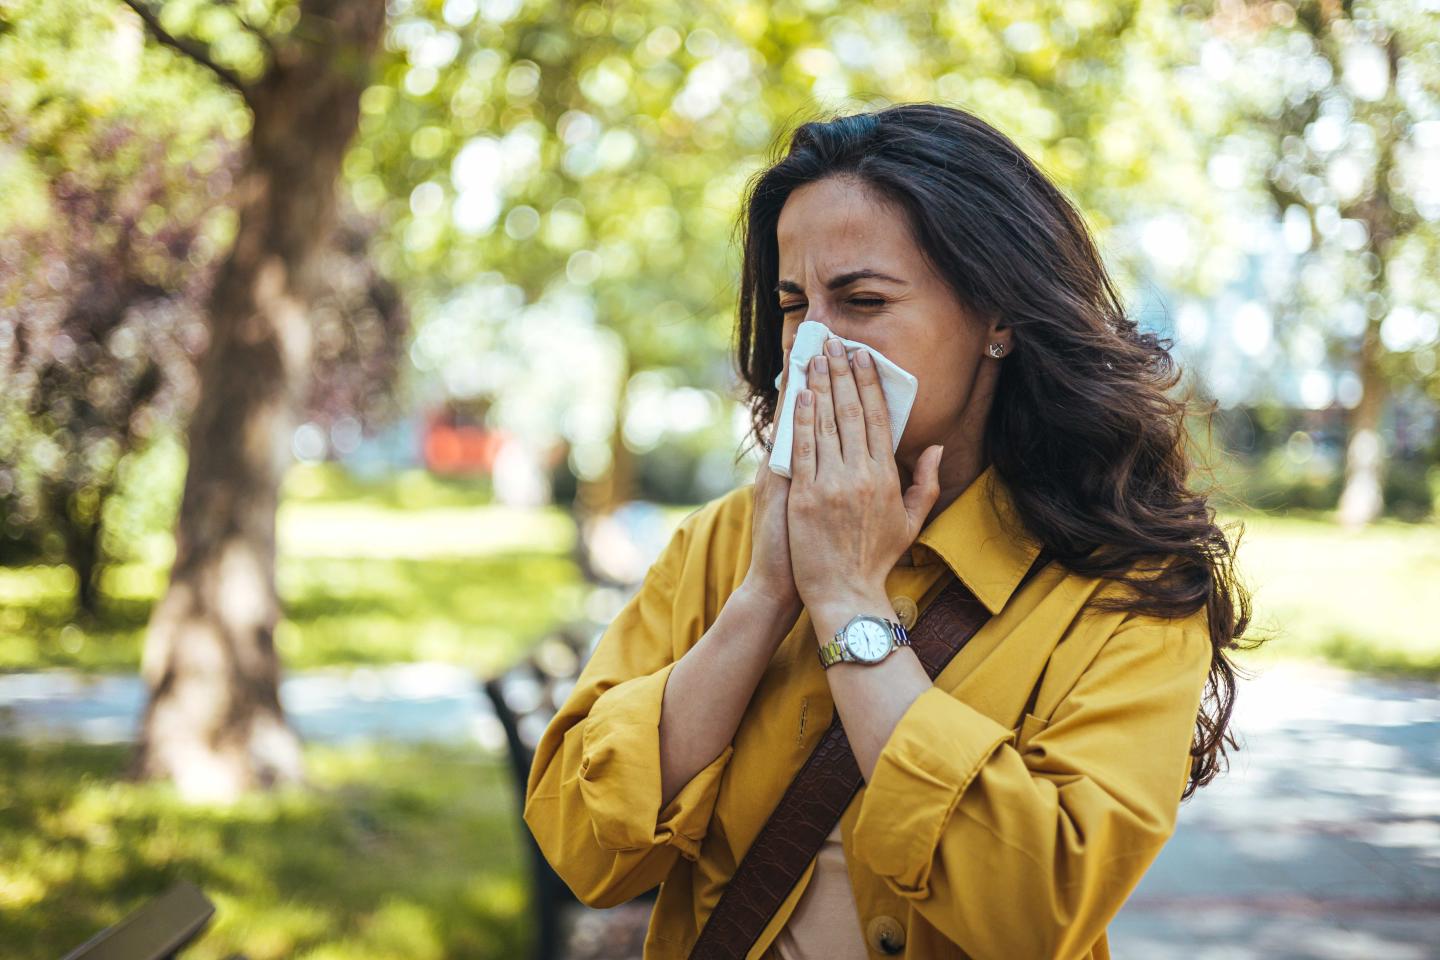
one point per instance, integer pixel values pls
(560, 178)
(1340, 104)
(359, 325)
(116, 209)
(214, 723)
(103, 318)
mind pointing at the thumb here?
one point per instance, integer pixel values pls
(924, 488)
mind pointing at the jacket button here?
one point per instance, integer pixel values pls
(906, 610)
(885, 935)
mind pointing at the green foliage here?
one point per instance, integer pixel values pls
(138, 518)
(66, 68)
(542, 153)
(124, 213)
(395, 852)
(1275, 483)
(100, 324)
(1410, 486)
(1322, 114)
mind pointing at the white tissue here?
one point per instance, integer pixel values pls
(899, 387)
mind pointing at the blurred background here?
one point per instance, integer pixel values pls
(353, 355)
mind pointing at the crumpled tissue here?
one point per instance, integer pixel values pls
(898, 385)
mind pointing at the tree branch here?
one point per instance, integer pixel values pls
(194, 49)
(260, 35)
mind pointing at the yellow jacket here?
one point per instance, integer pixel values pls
(985, 831)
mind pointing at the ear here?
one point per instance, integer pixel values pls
(998, 331)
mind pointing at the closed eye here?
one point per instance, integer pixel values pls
(868, 302)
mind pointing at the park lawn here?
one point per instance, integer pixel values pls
(1367, 600)
(412, 853)
(361, 582)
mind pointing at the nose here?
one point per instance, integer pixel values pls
(838, 325)
(833, 319)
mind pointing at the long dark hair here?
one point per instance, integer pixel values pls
(1084, 429)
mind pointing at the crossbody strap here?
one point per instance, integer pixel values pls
(818, 795)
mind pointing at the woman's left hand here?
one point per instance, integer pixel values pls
(848, 522)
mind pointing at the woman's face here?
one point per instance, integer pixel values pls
(834, 227)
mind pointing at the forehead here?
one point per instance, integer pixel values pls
(830, 220)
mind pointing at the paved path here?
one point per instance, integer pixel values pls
(406, 701)
(1321, 842)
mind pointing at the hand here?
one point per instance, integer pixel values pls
(769, 576)
(848, 522)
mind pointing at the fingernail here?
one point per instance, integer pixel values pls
(862, 357)
(822, 365)
(804, 398)
(834, 347)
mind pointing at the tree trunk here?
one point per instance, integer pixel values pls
(1362, 498)
(82, 547)
(597, 498)
(618, 484)
(214, 723)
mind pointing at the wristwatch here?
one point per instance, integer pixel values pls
(865, 639)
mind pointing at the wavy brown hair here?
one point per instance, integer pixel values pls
(1085, 429)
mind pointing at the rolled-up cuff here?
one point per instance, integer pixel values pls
(620, 773)
(936, 749)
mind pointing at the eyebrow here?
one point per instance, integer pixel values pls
(841, 280)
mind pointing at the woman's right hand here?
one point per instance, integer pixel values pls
(770, 576)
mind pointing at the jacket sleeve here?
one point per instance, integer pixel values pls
(1031, 854)
(592, 799)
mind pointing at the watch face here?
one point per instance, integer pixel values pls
(867, 639)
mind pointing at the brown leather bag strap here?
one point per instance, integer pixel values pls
(822, 789)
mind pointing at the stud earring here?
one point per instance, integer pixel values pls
(997, 350)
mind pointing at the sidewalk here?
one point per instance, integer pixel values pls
(1322, 840)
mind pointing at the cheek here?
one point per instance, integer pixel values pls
(944, 387)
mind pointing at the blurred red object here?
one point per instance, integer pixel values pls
(454, 445)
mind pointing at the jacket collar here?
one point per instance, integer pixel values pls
(982, 539)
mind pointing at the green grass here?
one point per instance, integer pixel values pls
(410, 489)
(1367, 600)
(361, 583)
(410, 853)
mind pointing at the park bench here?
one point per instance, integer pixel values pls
(613, 552)
(158, 930)
(525, 698)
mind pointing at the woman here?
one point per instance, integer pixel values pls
(1010, 805)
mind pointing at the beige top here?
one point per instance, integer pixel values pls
(825, 924)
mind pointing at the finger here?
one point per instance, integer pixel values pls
(924, 489)
(802, 439)
(827, 435)
(877, 411)
(849, 412)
